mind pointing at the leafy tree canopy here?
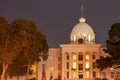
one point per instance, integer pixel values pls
(103, 63)
(20, 42)
(113, 44)
(32, 44)
(112, 48)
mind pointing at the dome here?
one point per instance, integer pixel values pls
(82, 31)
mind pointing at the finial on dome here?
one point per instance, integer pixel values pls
(82, 10)
(82, 19)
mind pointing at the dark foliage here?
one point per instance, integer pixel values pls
(112, 48)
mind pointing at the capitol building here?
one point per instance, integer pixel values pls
(76, 60)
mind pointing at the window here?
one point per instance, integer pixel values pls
(87, 74)
(80, 57)
(51, 76)
(74, 65)
(80, 67)
(74, 57)
(67, 57)
(74, 74)
(67, 74)
(87, 56)
(74, 38)
(80, 75)
(94, 74)
(94, 65)
(93, 56)
(67, 65)
(89, 38)
(87, 65)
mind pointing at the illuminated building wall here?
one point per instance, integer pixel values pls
(53, 65)
(78, 61)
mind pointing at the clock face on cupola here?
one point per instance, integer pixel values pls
(80, 40)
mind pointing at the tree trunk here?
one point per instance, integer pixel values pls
(4, 71)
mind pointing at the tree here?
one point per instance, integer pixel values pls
(103, 63)
(33, 42)
(20, 38)
(18, 67)
(112, 48)
(8, 45)
(113, 45)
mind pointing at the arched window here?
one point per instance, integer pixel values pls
(87, 56)
(67, 55)
(74, 57)
(80, 56)
(94, 55)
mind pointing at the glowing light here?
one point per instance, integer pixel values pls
(74, 57)
(111, 68)
(89, 38)
(34, 67)
(87, 65)
(74, 65)
(84, 35)
(74, 38)
(87, 74)
(87, 56)
(74, 74)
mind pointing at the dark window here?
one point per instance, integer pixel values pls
(80, 75)
(51, 76)
(59, 77)
(67, 74)
(94, 65)
(80, 57)
(80, 66)
(94, 74)
(67, 57)
(93, 56)
(67, 65)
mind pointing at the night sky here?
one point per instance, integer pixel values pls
(56, 18)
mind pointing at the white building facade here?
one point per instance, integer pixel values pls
(76, 60)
